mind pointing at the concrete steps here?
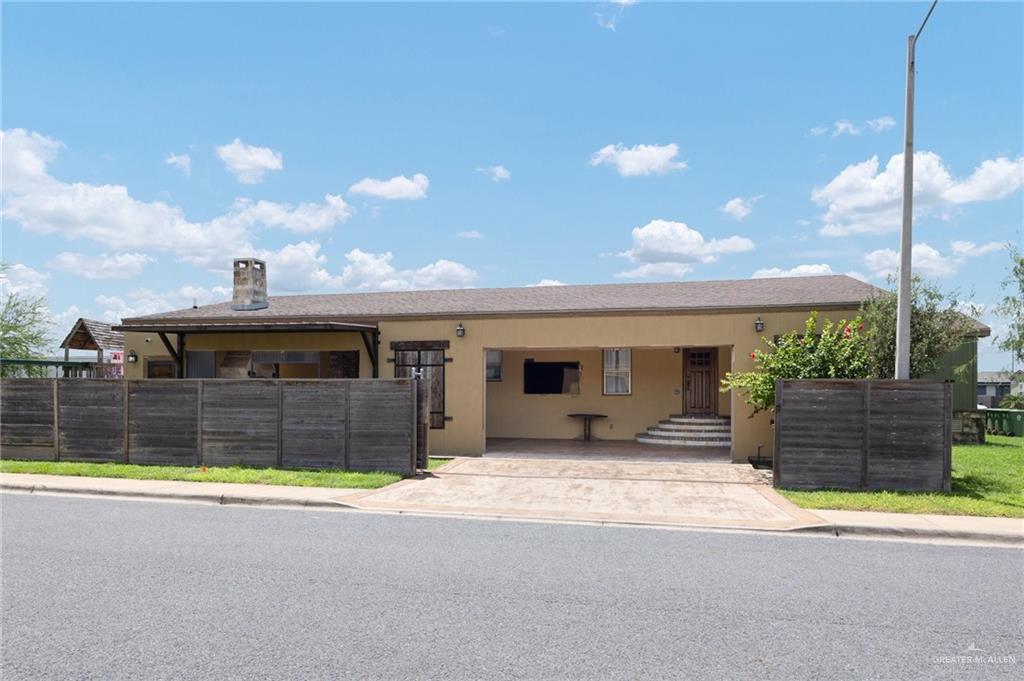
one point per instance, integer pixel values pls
(689, 431)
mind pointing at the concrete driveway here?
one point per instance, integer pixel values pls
(657, 493)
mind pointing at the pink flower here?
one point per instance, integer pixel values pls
(753, 355)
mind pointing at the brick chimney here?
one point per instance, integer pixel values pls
(250, 285)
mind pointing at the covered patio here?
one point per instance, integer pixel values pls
(639, 403)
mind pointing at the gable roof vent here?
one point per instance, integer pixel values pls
(250, 292)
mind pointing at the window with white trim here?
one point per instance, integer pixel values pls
(618, 375)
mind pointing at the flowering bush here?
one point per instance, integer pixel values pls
(837, 351)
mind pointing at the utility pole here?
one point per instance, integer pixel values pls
(906, 235)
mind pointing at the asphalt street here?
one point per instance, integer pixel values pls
(119, 589)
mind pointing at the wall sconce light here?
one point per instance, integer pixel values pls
(759, 325)
(132, 357)
(460, 330)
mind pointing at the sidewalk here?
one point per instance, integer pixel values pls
(975, 528)
(213, 492)
(839, 523)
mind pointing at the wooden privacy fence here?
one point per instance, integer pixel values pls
(353, 424)
(863, 435)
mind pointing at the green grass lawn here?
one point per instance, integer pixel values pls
(987, 480)
(258, 476)
(433, 463)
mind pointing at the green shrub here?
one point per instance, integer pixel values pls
(837, 351)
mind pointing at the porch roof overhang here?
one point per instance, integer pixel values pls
(181, 328)
(209, 326)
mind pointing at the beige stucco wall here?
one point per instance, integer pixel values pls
(656, 384)
(467, 392)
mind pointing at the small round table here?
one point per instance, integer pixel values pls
(587, 420)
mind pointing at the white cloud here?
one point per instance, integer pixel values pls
(496, 173)
(844, 126)
(798, 271)
(863, 200)
(969, 249)
(880, 124)
(548, 282)
(642, 159)
(470, 234)
(304, 218)
(663, 248)
(740, 207)
(374, 272)
(144, 301)
(297, 268)
(23, 280)
(926, 260)
(62, 321)
(25, 156)
(993, 179)
(656, 270)
(249, 163)
(609, 17)
(109, 215)
(400, 187)
(93, 267)
(182, 162)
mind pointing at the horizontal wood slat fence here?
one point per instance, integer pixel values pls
(360, 425)
(863, 435)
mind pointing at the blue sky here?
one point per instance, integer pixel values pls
(498, 145)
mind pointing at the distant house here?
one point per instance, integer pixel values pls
(993, 386)
(512, 362)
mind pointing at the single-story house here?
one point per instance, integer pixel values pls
(993, 386)
(512, 362)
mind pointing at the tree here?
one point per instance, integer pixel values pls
(24, 333)
(1012, 402)
(1012, 308)
(939, 323)
(837, 351)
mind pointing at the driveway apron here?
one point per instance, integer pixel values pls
(684, 494)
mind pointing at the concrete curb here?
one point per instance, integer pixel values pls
(841, 529)
(833, 529)
(220, 499)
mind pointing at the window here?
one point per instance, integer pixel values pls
(493, 365)
(428, 357)
(339, 364)
(200, 364)
(551, 378)
(161, 368)
(618, 375)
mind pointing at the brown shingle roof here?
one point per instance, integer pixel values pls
(90, 334)
(796, 292)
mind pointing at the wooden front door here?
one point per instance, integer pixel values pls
(700, 375)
